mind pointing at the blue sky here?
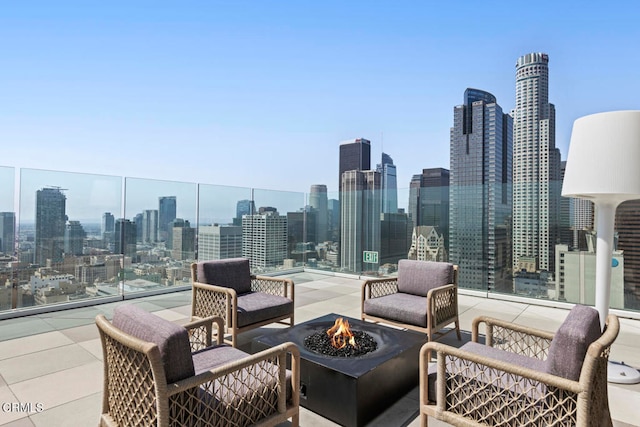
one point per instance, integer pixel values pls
(260, 94)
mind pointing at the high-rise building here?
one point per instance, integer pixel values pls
(429, 200)
(50, 225)
(301, 233)
(243, 207)
(395, 237)
(628, 228)
(166, 213)
(74, 236)
(536, 166)
(360, 206)
(389, 184)
(108, 223)
(7, 232)
(150, 226)
(183, 240)
(319, 203)
(354, 155)
(264, 239)
(125, 237)
(334, 219)
(480, 192)
(219, 242)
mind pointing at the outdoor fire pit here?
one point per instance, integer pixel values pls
(353, 384)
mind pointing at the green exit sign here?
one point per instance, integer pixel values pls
(370, 256)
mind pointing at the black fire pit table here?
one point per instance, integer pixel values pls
(351, 391)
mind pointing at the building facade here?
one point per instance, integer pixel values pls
(264, 239)
(7, 232)
(536, 165)
(360, 209)
(319, 203)
(388, 184)
(219, 242)
(429, 200)
(480, 192)
(50, 225)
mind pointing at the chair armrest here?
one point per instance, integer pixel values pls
(512, 337)
(266, 369)
(375, 288)
(473, 377)
(442, 304)
(273, 285)
(200, 332)
(211, 300)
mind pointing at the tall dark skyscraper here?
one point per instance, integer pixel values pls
(166, 213)
(244, 207)
(429, 200)
(125, 237)
(355, 155)
(480, 192)
(50, 225)
(7, 232)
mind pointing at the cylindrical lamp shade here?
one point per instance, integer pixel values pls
(604, 157)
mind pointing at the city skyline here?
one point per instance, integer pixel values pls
(119, 89)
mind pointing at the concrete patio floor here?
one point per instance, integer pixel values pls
(54, 360)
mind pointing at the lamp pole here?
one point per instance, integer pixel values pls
(605, 220)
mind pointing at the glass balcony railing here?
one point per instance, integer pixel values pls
(82, 238)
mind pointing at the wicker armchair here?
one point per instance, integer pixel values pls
(157, 373)
(522, 376)
(424, 298)
(227, 289)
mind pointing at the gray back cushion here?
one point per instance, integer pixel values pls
(172, 340)
(569, 345)
(230, 273)
(419, 277)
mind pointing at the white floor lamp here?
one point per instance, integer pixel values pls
(603, 166)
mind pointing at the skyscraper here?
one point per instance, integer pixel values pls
(319, 202)
(536, 165)
(7, 232)
(150, 226)
(74, 236)
(480, 192)
(389, 184)
(360, 206)
(354, 155)
(50, 225)
(183, 240)
(166, 214)
(108, 223)
(125, 237)
(429, 200)
(264, 239)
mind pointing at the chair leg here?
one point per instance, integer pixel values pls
(295, 420)
(424, 420)
(458, 330)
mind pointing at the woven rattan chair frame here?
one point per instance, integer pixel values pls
(481, 391)
(441, 306)
(211, 300)
(136, 393)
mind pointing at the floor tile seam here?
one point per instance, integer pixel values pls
(93, 358)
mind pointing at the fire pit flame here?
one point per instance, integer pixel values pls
(340, 334)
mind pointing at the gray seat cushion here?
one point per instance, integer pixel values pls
(232, 273)
(500, 380)
(172, 340)
(401, 307)
(419, 277)
(570, 343)
(254, 307)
